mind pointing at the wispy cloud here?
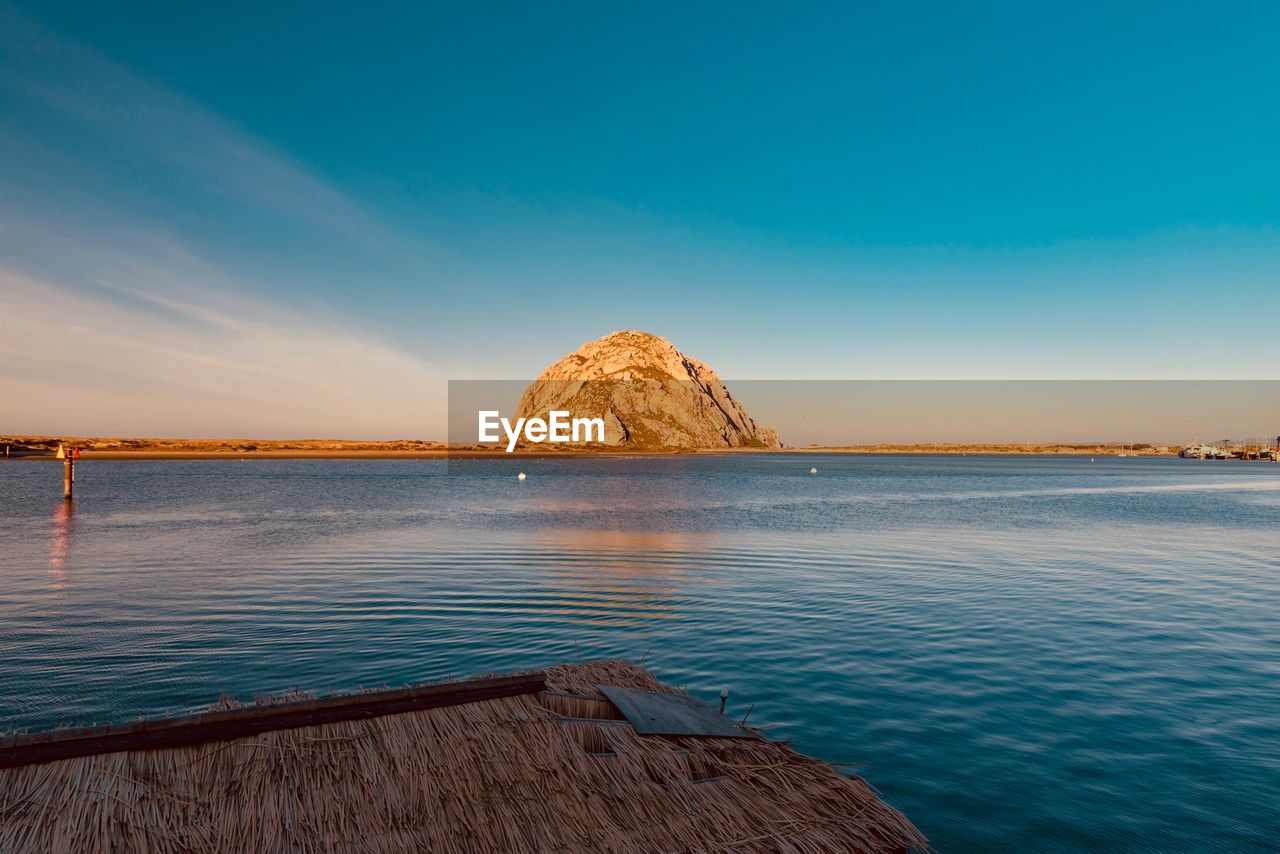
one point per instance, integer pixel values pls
(164, 131)
(118, 317)
(91, 363)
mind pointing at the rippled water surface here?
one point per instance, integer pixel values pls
(1033, 654)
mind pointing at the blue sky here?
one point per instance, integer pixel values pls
(282, 221)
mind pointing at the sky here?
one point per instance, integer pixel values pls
(286, 222)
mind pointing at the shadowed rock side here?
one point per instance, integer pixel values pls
(649, 394)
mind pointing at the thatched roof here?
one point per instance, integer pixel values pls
(559, 770)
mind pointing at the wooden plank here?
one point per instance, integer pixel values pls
(653, 713)
(44, 747)
(608, 721)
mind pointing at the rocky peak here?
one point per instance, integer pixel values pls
(649, 394)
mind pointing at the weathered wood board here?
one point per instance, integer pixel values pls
(229, 724)
(653, 713)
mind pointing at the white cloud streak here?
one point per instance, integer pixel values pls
(114, 322)
(160, 129)
(83, 364)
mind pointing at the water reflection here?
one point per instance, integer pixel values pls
(621, 578)
(59, 545)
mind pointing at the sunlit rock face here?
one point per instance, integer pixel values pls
(650, 395)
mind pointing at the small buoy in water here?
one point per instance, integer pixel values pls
(813, 470)
(520, 476)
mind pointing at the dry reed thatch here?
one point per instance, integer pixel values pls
(507, 774)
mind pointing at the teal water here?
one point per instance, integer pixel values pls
(1021, 654)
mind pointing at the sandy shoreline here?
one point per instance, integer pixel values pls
(441, 454)
(247, 455)
(149, 448)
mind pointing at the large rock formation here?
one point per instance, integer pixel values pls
(649, 394)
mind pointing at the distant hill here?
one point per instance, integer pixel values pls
(650, 395)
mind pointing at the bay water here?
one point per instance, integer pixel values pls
(1021, 653)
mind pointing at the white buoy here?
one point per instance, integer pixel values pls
(813, 470)
(520, 476)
